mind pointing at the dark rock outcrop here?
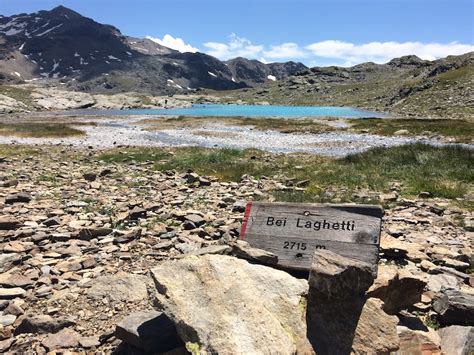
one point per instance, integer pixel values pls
(63, 45)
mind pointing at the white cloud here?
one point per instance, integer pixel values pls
(324, 53)
(173, 43)
(285, 50)
(235, 47)
(381, 52)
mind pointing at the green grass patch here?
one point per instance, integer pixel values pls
(456, 74)
(226, 164)
(39, 130)
(137, 155)
(22, 94)
(442, 171)
(462, 131)
(18, 151)
(47, 178)
(445, 172)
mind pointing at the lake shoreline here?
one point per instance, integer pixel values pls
(241, 110)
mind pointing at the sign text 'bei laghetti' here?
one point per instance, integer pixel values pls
(294, 231)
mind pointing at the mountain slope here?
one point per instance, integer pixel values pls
(406, 85)
(85, 55)
(254, 72)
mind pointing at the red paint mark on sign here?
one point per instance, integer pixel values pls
(246, 219)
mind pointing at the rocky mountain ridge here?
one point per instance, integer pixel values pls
(62, 45)
(408, 85)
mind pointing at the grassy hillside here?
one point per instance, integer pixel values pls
(406, 86)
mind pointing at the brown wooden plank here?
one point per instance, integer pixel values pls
(294, 231)
(301, 259)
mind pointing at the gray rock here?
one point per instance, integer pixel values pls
(457, 340)
(204, 182)
(53, 221)
(335, 276)
(128, 237)
(14, 309)
(414, 341)
(7, 223)
(90, 233)
(186, 248)
(191, 177)
(424, 194)
(195, 219)
(151, 331)
(6, 344)
(137, 213)
(163, 245)
(9, 183)
(242, 249)
(447, 270)
(121, 287)
(19, 197)
(340, 319)
(7, 319)
(105, 172)
(187, 225)
(66, 338)
(212, 296)
(401, 132)
(438, 281)
(388, 197)
(168, 235)
(398, 289)
(376, 331)
(42, 324)
(15, 280)
(8, 261)
(89, 342)
(239, 206)
(89, 176)
(455, 308)
(211, 249)
(8, 293)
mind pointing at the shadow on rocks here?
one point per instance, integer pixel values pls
(336, 299)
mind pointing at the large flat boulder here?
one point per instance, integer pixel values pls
(457, 340)
(376, 331)
(121, 287)
(42, 324)
(333, 276)
(425, 341)
(221, 304)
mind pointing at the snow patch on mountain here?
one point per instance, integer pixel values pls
(48, 30)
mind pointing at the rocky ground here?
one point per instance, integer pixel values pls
(79, 237)
(29, 97)
(101, 131)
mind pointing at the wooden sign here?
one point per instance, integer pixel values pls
(294, 231)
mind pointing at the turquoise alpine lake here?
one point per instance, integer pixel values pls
(210, 110)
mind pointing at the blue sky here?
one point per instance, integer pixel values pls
(343, 32)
